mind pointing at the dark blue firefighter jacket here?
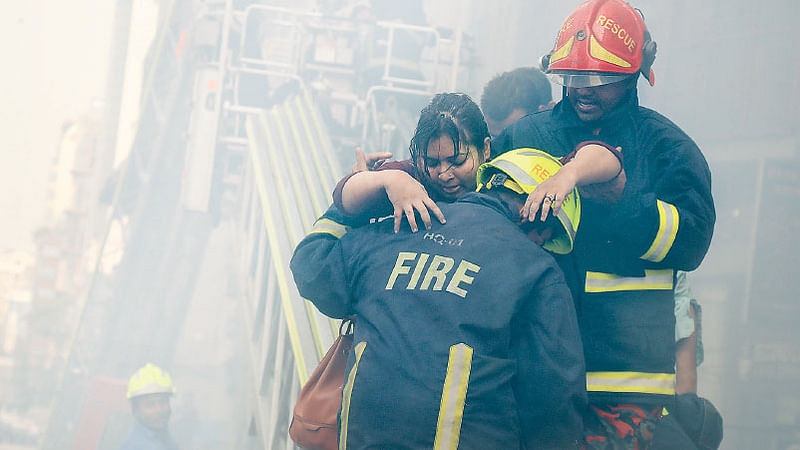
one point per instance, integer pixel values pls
(465, 334)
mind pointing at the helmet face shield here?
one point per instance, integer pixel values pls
(586, 79)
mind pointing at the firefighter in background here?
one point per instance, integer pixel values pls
(511, 95)
(149, 391)
(465, 335)
(625, 254)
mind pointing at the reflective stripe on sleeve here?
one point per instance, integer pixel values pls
(347, 391)
(654, 280)
(454, 394)
(668, 220)
(327, 226)
(635, 382)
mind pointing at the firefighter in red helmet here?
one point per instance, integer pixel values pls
(626, 253)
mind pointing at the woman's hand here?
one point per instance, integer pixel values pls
(591, 164)
(549, 195)
(369, 162)
(407, 196)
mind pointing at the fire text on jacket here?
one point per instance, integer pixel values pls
(437, 272)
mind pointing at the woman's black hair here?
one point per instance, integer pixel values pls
(449, 114)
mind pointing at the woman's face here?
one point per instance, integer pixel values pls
(451, 174)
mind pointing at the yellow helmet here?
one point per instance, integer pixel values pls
(522, 170)
(150, 379)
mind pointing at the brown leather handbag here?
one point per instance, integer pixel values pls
(314, 424)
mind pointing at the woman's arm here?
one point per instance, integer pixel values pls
(365, 191)
(592, 163)
(686, 364)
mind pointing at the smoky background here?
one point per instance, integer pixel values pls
(103, 267)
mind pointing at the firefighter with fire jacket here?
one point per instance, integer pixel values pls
(626, 254)
(466, 333)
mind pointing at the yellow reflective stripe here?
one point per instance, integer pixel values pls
(519, 168)
(654, 280)
(635, 382)
(327, 147)
(540, 154)
(325, 177)
(517, 173)
(328, 226)
(279, 264)
(316, 202)
(564, 218)
(563, 51)
(668, 221)
(454, 394)
(291, 170)
(597, 50)
(273, 155)
(346, 393)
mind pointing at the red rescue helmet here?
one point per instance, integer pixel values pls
(601, 42)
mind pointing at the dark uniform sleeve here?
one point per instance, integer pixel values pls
(550, 386)
(318, 266)
(670, 223)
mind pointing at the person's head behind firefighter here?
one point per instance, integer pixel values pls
(149, 391)
(450, 143)
(599, 53)
(512, 95)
